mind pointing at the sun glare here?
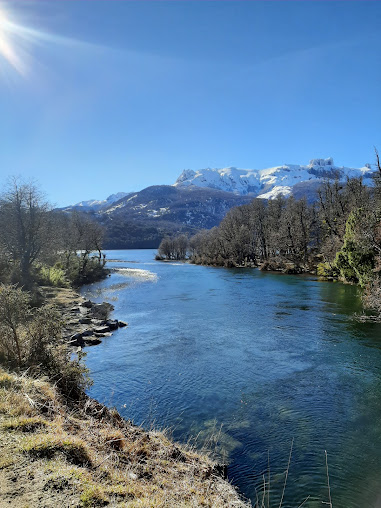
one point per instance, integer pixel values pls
(15, 43)
(9, 50)
(18, 42)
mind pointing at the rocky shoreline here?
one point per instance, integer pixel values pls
(85, 322)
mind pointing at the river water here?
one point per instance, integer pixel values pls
(247, 362)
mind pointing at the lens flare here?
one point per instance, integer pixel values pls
(11, 49)
(18, 43)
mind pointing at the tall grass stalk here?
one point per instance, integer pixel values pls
(329, 488)
(287, 470)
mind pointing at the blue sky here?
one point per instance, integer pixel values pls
(98, 97)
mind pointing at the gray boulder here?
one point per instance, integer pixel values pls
(93, 341)
(113, 324)
(102, 329)
(101, 310)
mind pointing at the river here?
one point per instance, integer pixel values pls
(247, 362)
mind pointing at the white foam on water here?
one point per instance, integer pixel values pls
(137, 273)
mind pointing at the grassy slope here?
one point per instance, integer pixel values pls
(56, 454)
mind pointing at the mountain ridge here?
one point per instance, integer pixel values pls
(269, 182)
(264, 183)
(97, 204)
(200, 199)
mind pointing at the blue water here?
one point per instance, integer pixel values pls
(245, 362)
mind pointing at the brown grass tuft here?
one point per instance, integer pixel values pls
(47, 446)
(113, 438)
(24, 424)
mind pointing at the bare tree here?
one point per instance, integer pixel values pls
(80, 238)
(174, 248)
(25, 225)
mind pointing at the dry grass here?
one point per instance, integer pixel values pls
(8, 381)
(61, 297)
(74, 449)
(56, 455)
(24, 424)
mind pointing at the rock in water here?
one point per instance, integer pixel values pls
(113, 324)
(102, 329)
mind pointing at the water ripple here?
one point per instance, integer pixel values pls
(248, 361)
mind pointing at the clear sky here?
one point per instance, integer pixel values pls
(98, 97)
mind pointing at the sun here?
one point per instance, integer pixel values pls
(21, 44)
(10, 49)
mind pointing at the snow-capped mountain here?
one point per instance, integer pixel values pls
(200, 199)
(268, 183)
(98, 204)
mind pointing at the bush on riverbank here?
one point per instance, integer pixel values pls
(83, 268)
(54, 276)
(31, 340)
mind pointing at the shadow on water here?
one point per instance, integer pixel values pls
(245, 361)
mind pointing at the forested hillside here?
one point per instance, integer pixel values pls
(200, 200)
(143, 219)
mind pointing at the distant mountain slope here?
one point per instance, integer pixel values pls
(142, 219)
(268, 183)
(96, 204)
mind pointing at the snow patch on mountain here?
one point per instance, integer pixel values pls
(96, 204)
(276, 191)
(268, 183)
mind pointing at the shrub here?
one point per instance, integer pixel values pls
(356, 259)
(327, 270)
(8, 381)
(47, 356)
(36, 343)
(94, 496)
(84, 269)
(14, 310)
(72, 377)
(52, 276)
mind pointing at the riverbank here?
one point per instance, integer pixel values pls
(56, 452)
(276, 266)
(85, 323)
